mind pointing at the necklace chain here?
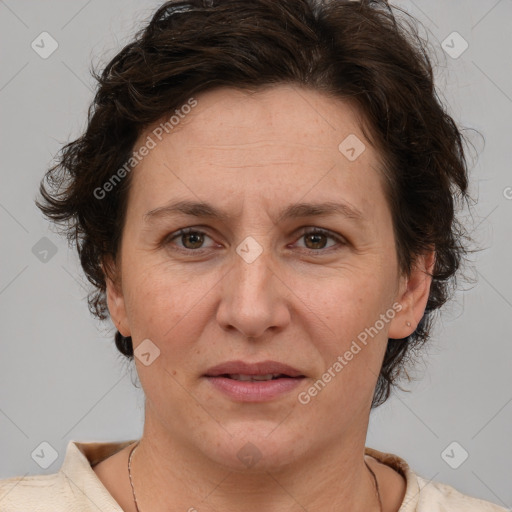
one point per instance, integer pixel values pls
(377, 490)
(130, 475)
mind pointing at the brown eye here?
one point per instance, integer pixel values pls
(190, 240)
(317, 239)
(195, 238)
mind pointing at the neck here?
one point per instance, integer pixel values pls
(167, 472)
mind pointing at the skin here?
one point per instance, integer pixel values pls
(301, 301)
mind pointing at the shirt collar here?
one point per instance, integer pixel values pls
(81, 456)
(77, 471)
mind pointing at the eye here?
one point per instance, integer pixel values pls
(192, 239)
(316, 238)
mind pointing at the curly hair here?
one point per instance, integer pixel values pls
(355, 51)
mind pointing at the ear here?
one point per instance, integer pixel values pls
(413, 296)
(115, 297)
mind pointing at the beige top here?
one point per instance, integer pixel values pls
(76, 488)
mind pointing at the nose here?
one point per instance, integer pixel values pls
(254, 296)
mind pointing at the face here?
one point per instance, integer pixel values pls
(318, 290)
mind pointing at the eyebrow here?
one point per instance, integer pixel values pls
(299, 210)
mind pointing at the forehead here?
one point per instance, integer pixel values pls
(280, 114)
(280, 141)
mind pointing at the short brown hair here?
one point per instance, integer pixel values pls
(355, 51)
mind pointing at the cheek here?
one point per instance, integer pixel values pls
(157, 300)
(352, 310)
(349, 303)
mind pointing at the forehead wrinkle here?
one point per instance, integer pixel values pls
(247, 166)
(257, 155)
(257, 144)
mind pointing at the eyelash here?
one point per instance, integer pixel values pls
(312, 231)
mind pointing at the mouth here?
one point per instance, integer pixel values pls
(254, 382)
(257, 378)
(263, 370)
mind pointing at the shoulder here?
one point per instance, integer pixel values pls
(439, 497)
(74, 488)
(39, 492)
(54, 493)
(423, 495)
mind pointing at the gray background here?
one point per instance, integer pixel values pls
(61, 378)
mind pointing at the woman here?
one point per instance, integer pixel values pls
(264, 199)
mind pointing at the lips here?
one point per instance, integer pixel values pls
(254, 382)
(264, 370)
(255, 378)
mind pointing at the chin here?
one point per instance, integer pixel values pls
(256, 446)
